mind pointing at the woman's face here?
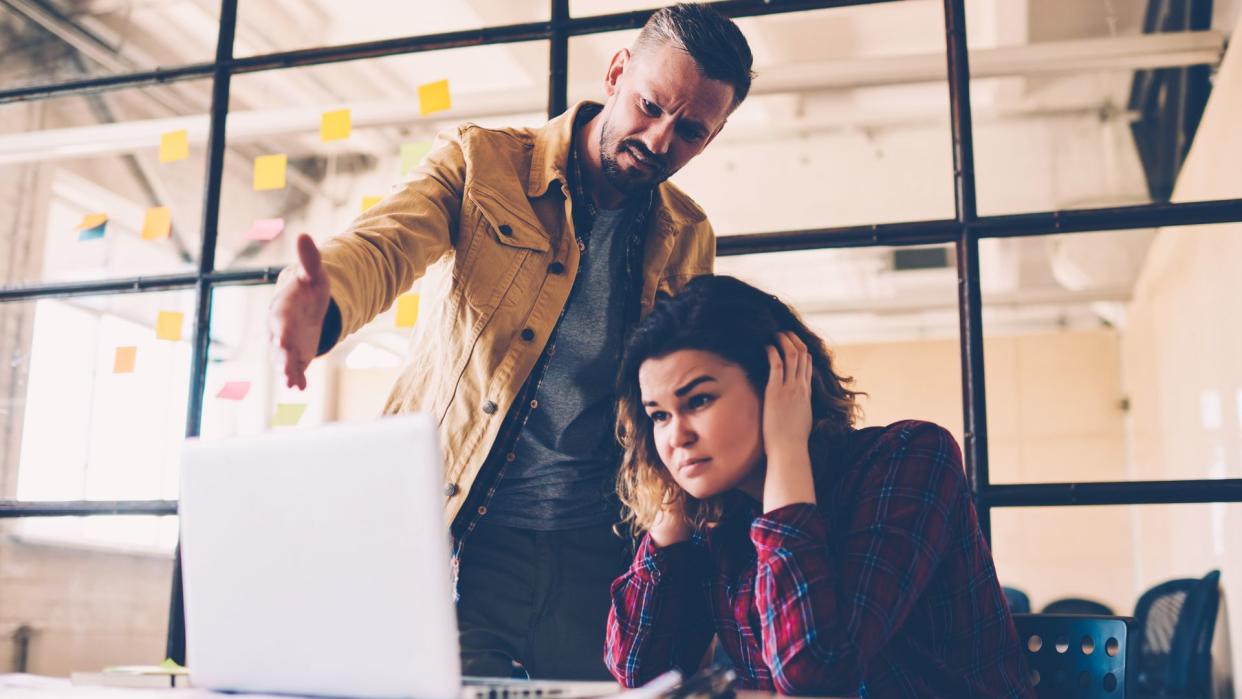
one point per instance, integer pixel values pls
(705, 422)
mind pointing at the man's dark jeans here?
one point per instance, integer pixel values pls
(538, 598)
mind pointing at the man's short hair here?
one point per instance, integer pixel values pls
(711, 39)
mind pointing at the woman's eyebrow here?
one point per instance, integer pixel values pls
(683, 390)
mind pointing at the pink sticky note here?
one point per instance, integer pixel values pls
(234, 390)
(265, 228)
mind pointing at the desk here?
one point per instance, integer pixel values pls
(37, 687)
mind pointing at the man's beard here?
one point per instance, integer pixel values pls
(619, 179)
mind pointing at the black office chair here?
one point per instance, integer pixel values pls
(1177, 623)
(1019, 603)
(1074, 655)
(1078, 605)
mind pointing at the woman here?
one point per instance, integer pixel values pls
(826, 559)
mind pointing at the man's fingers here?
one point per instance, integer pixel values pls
(308, 257)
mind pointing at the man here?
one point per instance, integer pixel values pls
(541, 248)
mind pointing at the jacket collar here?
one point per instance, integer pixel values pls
(551, 152)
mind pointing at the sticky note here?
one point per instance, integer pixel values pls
(412, 154)
(288, 414)
(368, 202)
(269, 172)
(93, 233)
(168, 325)
(334, 125)
(93, 221)
(265, 228)
(174, 145)
(123, 362)
(157, 223)
(433, 97)
(234, 390)
(407, 310)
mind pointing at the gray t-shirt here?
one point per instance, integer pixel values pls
(564, 461)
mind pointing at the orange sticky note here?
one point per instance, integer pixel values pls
(168, 325)
(157, 223)
(234, 390)
(92, 221)
(433, 97)
(123, 363)
(174, 145)
(269, 171)
(334, 125)
(288, 414)
(368, 202)
(407, 310)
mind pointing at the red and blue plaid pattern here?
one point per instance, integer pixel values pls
(886, 588)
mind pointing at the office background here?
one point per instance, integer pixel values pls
(1051, 273)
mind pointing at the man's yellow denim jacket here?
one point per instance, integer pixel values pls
(481, 219)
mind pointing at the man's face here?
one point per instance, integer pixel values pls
(661, 112)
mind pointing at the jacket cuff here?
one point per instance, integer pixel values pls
(331, 331)
(788, 526)
(652, 562)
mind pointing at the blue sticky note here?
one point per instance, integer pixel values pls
(92, 233)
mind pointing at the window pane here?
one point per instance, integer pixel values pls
(99, 38)
(327, 183)
(94, 401)
(266, 27)
(890, 326)
(1112, 356)
(246, 386)
(84, 593)
(1081, 105)
(834, 133)
(80, 177)
(1112, 555)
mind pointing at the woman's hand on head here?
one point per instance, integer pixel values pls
(787, 425)
(671, 525)
(787, 398)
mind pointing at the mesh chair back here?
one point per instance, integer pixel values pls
(1177, 622)
(1073, 655)
(1077, 605)
(1019, 603)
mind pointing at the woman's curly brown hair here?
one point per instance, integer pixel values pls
(734, 320)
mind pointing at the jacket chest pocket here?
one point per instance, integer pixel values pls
(501, 243)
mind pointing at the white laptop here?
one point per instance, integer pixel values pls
(316, 562)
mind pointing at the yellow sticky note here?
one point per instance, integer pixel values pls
(433, 97)
(168, 325)
(334, 125)
(123, 362)
(288, 414)
(269, 171)
(407, 310)
(157, 223)
(412, 154)
(174, 145)
(92, 221)
(368, 202)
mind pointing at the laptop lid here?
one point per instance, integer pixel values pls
(316, 561)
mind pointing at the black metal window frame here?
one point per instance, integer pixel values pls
(964, 231)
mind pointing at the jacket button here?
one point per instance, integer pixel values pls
(489, 407)
(556, 268)
(505, 229)
(450, 489)
(528, 334)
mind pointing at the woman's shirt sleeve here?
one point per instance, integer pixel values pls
(659, 618)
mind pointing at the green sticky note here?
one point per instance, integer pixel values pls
(288, 414)
(412, 154)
